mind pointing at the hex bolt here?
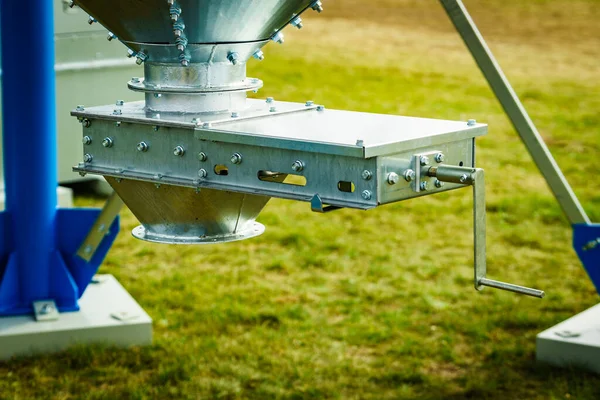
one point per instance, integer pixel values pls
(48, 308)
(118, 124)
(235, 114)
(135, 79)
(439, 158)
(320, 108)
(111, 36)
(438, 184)
(298, 166)
(80, 108)
(179, 151)
(142, 146)
(471, 122)
(130, 53)
(175, 12)
(424, 160)
(270, 100)
(392, 178)
(202, 173)
(86, 123)
(309, 103)
(273, 109)
(117, 111)
(72, 4)
(140, 58)
(178, 28)
(107, 142)
(297, 22)
(88, 158)
(158, 176)
(317, 6)
(157, 95)
(366, 194)
(259, 55)
(184, 59)
(236, 158)
(181, 43)
(409, 175)
(463, 178)
(367, 175)
(233, 58)
(86, 140)
(170, 2)
(424, 185)
(91, 20)
(156, 128)
(278, 37)
(119, 102)
(202, 156)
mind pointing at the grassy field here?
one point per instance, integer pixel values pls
(378, 304)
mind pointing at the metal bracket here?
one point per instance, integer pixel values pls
(316, 205)
(45, 310)
(109, 212)
(475, 178)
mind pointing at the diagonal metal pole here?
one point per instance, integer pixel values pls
(513, 107)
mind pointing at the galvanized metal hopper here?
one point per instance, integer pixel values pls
(194, 54)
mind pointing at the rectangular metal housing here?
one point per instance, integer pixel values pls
(335, 148)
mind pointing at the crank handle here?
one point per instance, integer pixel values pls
(475, 178)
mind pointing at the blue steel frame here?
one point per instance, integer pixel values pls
(38, 242)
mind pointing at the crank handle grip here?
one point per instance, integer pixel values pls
(510, 287)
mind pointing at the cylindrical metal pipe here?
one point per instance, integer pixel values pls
(29, 139)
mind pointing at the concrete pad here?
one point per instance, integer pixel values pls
(108, 315)
(574, 342)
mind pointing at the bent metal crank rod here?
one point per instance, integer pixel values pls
(475, 178)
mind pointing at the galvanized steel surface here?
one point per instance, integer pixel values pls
(204, 21)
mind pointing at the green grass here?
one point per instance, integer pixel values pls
(378, 304)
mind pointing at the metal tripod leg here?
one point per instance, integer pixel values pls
(515, 111)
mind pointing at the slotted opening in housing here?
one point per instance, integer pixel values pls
(346, 186)
(281, 177)
(221, 169)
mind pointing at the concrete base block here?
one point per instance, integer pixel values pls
(574, 342)
(108, 315)
(64, 194)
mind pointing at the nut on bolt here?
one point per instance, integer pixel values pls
(178, 151)
(86, 140)
(317, 6)
(424, 185)
(409, 175)
(438, 184)
(202, 173)
(236, 158)
(142, 147)
(366, 175)
(233, 57)
(259, 55)
(107, 142)
(424, 160)
(366, 194)
(88, 158)
(202, 156)
(393, 178)
(298, 166)
(439, 158)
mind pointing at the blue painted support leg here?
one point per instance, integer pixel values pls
(586, 241)
(37, 241)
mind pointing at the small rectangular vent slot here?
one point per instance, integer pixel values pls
(281, 177)
(346, 187)
(221, 170)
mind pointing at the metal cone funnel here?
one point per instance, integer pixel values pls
(181, 215)
(202, 21)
